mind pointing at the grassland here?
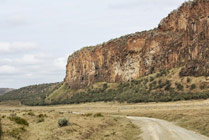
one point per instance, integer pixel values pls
(85, 123)
(41, 123)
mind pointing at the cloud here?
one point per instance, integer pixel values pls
(125, 5)
(60, 62)
(6, 69)
(14, 47)
(16, 20)
(28, 59)
(5, 60)
(38, 58)
(142, 4)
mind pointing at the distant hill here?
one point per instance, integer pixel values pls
(5, 90)
(32, 95)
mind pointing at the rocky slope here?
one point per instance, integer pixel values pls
(181, 39)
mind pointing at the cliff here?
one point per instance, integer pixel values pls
(181, 39)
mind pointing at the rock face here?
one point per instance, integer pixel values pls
(181, 39)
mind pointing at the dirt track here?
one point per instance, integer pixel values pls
(155, 129)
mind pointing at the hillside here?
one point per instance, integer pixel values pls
(31, 95)
(168, 63)
(163, 86)
(5, 90)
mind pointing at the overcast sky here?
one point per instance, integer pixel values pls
(37, 36)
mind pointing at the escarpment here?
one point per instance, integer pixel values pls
(181, 39)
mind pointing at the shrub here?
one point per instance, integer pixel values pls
(179, 86)
(19, 120)
(162, 73)
(40, 120)
(98, 115)
(42, 115)
(152, 85)
(159, 82)
(15, 133)
(31, 114)
(105, 86)
(151, 79)
(202, 86)
(193, 86)
(87, 115)
(63, 122)
(168, 87)
(188, 80)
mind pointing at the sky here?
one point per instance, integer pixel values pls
(37, 36)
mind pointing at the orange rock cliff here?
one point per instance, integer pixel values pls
(181, 39)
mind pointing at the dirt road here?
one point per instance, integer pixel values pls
(155, 129)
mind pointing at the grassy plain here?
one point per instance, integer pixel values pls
(86, 123)
(42, 124)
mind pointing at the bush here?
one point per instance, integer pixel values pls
(98, 115)
(105, 86)
(188, 80)
(63, 122)
(202, 86)
(168, 87)
(159, 82)
(151, 79)
(87, 115)
(15, 133)
(179, 86)
(42, 115)
(19, 120)
(162, 73)
(31, 114)
(193, 86)
(40, 120)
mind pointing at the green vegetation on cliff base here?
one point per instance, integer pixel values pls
(163, 86)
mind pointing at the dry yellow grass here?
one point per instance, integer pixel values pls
(81, 126)
(192, 115)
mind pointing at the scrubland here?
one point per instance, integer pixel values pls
(100, 120)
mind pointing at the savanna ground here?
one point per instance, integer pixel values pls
(95, 121)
